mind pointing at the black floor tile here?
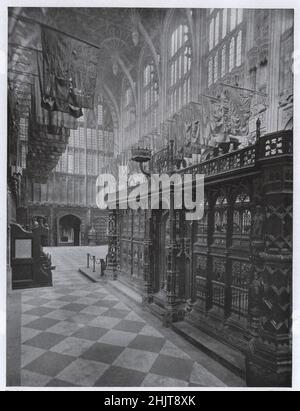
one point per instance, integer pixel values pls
(75, 307)
(90, 333)
(147, 343)
(120, 377)
(103, 353)
(116, 313)
(50, 364)
(130, 326)
(42, 324)
(172, 367)
(45, 340)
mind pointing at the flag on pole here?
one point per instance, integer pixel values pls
(69, 73)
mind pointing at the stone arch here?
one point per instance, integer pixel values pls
(68, 229)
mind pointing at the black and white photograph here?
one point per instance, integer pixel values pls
(148, 186)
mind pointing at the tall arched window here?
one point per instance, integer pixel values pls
(179, 68)
(226, 37)
(150, 98)
(129, 117)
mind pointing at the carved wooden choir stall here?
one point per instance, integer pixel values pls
(229, 274)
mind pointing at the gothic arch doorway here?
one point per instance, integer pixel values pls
(69, 230)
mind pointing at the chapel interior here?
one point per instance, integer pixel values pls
(159, 91)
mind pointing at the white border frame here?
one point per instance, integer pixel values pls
(280, 4)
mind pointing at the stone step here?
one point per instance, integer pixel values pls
(122, 287)
(231, 359)
(157, 310)
(88, 273)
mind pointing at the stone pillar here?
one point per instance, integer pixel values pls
(274, 70)
(269, 360)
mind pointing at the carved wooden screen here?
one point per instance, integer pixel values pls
(200, 255)
(219, 260)
(240, 264)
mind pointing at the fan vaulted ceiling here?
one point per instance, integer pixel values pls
(110, 29)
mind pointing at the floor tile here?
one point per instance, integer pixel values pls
(151, 331)
(94, 310)
(56, 383)
(171, 350)
(122, 306)
(50, 364)
(132, 316)
(56, 304)
(111, 297)
(147, 343)
(28, 354)
(178, 368)
(39, 311)
(37, 301)
(154, 380)
(90, 333)
(60, 314)
(45, 340)
(75, 307)
(33, 379)
(80, 293)
(66, 328)
(27, 307)
(105, 322)
(113, 312)
(42, 323)
(26, 319)
(83, 373)
(87, 301)
(103, 353)
(120, 377)
(96, 339)
(116, 337)
(136, 360)
(68, 298)
(106, 303)
(81, 318)
(204, 378)
(129, 326)
(28, 333)
(72, 346)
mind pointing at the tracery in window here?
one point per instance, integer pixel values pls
(150, 98)
(226, 34)
(180, 63)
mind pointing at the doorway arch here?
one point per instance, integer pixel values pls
(69, 230)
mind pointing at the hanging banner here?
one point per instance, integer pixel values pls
(69, 73)
(227, 118)
(237, 110)
(53, 122)
(213, 120)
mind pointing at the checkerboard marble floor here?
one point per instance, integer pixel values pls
(80, 334)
